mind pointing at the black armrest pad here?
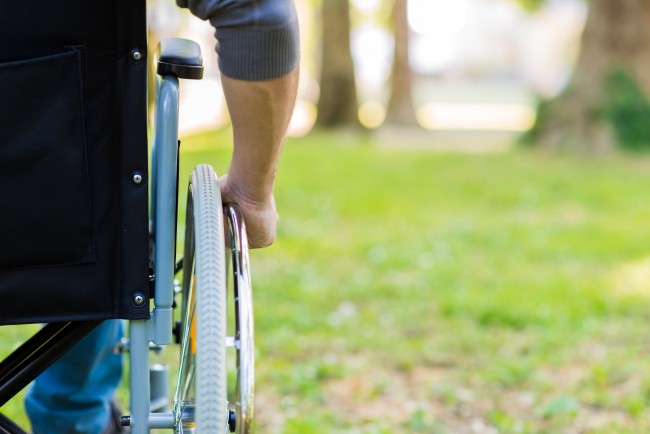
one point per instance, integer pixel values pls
(180, 57)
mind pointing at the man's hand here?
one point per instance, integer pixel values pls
(260, 216)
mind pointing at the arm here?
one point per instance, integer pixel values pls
(260, 113)
(258, 48)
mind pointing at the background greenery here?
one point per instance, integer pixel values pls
(413, 291)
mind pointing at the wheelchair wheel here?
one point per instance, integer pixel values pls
(200, 404)
(242, 401)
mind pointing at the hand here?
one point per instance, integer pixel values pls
(260, 216)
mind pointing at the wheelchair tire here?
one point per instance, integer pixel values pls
(200, 402)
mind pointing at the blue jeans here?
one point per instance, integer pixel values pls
(74, 395)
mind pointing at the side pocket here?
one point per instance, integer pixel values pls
(45, 208)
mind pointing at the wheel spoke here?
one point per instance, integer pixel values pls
(185, 379)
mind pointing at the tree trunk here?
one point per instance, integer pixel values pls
(337, 104)
(605, 103)
(400, 106)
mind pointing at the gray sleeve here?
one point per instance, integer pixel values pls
(256, 39)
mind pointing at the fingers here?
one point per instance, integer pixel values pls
(260, 217)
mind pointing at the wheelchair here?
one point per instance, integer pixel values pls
(167, 301)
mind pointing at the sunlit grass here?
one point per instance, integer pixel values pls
(412, 291)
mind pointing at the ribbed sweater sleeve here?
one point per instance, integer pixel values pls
(256, 39)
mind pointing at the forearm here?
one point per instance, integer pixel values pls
(260, 112)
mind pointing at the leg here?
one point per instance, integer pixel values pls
(74, 395)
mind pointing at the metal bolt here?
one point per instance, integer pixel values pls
(125, 420)
(136, 55)
(138, 299)
(137, 178)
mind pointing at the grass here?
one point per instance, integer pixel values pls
(412, 291)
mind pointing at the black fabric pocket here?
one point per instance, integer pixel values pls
(45, 209)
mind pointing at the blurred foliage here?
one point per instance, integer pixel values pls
(381, 16)
(624, 106)
(532, 136)
(531, 5)
(628, 110)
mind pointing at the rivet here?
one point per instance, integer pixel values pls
(138, 299)
(136, 55)
(137, 178)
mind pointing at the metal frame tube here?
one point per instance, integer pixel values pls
(166, 172)
(139, 376)
(161, 420)
(163, 212)
(7, 426)
(34, 356)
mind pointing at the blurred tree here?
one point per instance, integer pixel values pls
(337, 105)
(400, 105)
(605, 104)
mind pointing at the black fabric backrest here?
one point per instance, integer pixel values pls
(73, 225)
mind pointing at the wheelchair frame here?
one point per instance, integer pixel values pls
(177, 58)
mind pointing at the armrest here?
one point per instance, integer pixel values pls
(179, 57)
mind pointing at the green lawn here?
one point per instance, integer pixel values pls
(412, 291)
